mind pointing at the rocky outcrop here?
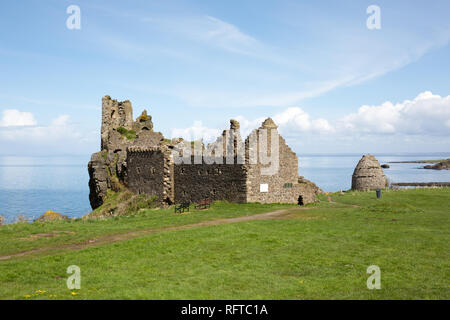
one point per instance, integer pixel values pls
(368, 174)
(98, 179)
(51, 216)
(444, 165)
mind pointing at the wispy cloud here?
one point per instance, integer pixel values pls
(340, 57)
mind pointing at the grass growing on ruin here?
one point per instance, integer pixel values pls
(322, 252)
(129, 134)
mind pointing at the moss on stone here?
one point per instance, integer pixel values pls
(129, 134)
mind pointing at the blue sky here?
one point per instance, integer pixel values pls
(330, 83)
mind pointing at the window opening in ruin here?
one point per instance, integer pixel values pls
(152, 170)
(138, 170)
(300, 201)
(182, 170)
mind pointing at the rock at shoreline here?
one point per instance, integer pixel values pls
(368, 174)
(444, 165)
(51, 216)
(385, 166)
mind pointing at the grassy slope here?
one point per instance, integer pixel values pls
(11, 236)
(317, 253)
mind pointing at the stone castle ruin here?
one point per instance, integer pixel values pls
(133, 156)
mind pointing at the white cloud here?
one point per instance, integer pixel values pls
(16, 118)
(226, 36)
(426, 114)
(196, 132)
(60, 121)
(248, 125)
(24, 135)
(295, 119)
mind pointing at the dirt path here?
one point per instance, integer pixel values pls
(134, 234)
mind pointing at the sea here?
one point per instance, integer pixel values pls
(29, 186)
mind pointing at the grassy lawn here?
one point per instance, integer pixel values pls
(321, 252)
(28, 236)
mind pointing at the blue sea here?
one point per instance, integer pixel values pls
(29, 186)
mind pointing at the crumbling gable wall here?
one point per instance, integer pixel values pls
(282, 185)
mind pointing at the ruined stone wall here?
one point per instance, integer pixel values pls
(150, 171)
(108, 168)
(145, 171)
(283, 185)
(196, 182)
(115, 114)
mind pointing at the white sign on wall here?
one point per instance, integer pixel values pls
(263, 187)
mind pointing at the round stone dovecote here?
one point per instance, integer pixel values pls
(368, 174)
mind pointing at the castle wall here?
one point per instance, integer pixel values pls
(114, 114)
(145, 172)
(196, 182)
(150, 171)
(283, 185)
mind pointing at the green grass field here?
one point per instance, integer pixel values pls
(320, 251)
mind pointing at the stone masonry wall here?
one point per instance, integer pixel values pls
(283, 185)
(196, 182)
(145, 171)
(150, 171)
(368, 174)
(114, 114)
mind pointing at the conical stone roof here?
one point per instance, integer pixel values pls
(368, 174)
